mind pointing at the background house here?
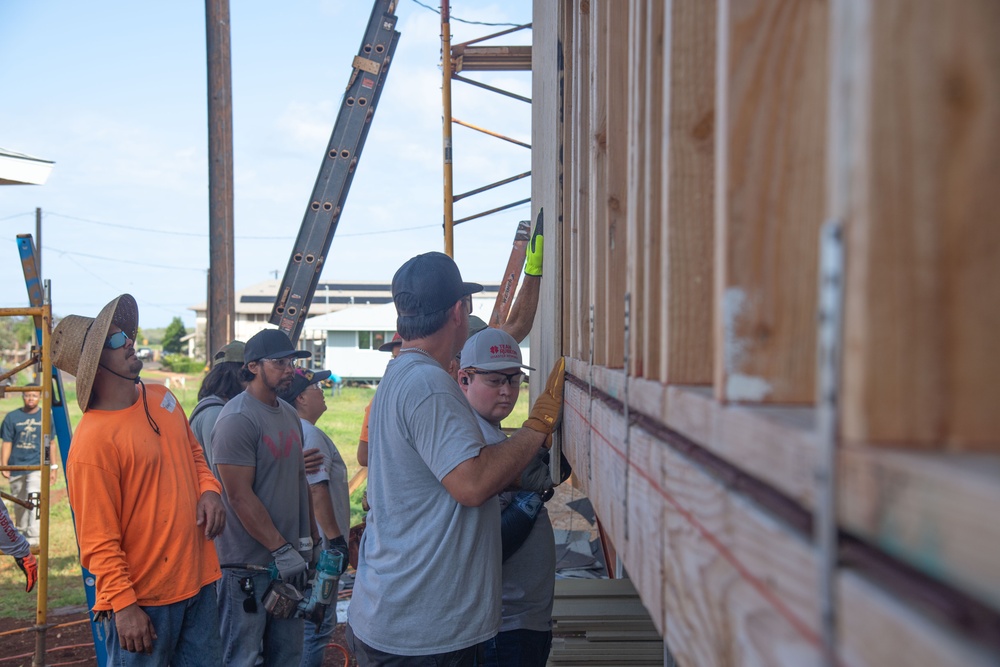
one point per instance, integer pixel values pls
(253, 308)
(353, 335)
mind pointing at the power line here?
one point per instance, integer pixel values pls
(123, 261)
(455, 18)
(17, 215)
(287, 237)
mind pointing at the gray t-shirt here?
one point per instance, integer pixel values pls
(428, 576)
(269, 439)
(529, 575)
(333, 472)
(203, 419)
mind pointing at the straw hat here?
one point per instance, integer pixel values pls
(77, 342)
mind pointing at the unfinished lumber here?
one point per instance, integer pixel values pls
(579, 223)
(598, 171)
(649, 239)
(923, 236)
(567, 113)
(875, 628)
(615, 241)
(640, 145)
(770, 175)
(934, 512)
(687, 183)
(602, 622)
(729, 572)
(937, 513)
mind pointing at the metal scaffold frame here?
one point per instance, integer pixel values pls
(55, 420)
(469, 56)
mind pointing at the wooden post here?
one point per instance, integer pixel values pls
(923, 243)
(579, 224)
(615, 240)
(770, 170)
(598, 142)
(688, 181)
(221, 291)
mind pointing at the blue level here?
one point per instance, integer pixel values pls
(60, 420)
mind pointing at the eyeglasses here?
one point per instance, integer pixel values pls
(116, 340)
(496, 379)
(468, 303)
(286, 362)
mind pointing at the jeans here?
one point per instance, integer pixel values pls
(21, 485)
(368, 656)
(247, 635)
(317, 638)
(518, 648)
(187, 634)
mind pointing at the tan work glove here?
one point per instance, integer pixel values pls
(547, 410)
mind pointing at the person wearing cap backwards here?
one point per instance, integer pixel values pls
(220, 385)
(257, 454)
(491, 376)
(328, 487)
(146, 503)
(428, 579)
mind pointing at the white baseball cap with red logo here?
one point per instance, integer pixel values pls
(492, 350)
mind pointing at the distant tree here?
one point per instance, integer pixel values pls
(15, 332)
(172, 337)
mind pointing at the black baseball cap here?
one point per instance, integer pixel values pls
(301, 381)
(271, 344)
(433, 281)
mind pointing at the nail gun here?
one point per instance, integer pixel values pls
(282, 600)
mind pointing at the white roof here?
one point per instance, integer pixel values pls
(21, 169)
(381, 317)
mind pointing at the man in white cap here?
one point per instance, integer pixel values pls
(491, 375)
(428, 580)
(146, 504)
(257, 454)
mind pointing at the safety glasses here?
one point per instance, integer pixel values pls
(116, 340)
(496, 379)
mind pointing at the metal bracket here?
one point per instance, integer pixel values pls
(628, 429)
(366, 65)
(829, 347)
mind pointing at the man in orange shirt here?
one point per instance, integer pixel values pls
(147, 506)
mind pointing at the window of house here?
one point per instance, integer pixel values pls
(372, 340)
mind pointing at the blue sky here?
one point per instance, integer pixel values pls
(115, 94)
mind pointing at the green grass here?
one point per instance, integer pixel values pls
(341, 421)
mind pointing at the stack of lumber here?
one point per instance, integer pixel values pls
(602, 622)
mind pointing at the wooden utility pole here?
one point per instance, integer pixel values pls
(221, 303)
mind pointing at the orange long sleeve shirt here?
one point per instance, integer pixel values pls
(135, 497)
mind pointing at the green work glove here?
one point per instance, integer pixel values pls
(545, 414)
(533, 257)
